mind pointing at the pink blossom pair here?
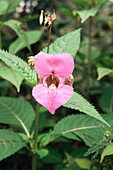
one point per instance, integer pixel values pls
(55, 87)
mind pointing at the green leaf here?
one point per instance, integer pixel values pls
(17, 112)
(84, 50)
(17, 45)
(109, 118)
(67, 11)
(104, 18)
(95, 148)
(68, 43)
(103, 72)
(80, 3)
(106, 100)
(26, 19)
(24, 137)
(4, 84)
(13, 4)
(59, 166)
(44, 139)
(77, 102)
(79, 152)
(78, 125)
(42, 152)
(111, 0)
(85, 14)
(16, 26)
(89, 139)
(107, 151)
(19, 65)
(72, 163)
(3, 6)
(84, 163)
(52, 157)
(61, 139)
(105, 60)
(10, 142)
(97, 140)
(11, 76)
(72, 135)
(87, 128)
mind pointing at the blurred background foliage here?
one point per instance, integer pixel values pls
(24, 23)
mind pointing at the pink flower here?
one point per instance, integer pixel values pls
(56, 80)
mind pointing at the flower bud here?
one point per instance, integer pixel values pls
(31, 60)
(53, 16)
(46, 20)
(69, 80)
(41, 17)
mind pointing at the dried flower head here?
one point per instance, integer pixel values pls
(47, 18)
(31, 60)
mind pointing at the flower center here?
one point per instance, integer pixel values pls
(52, 80)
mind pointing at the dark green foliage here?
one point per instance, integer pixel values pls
(16, 112)
(52, 157)
(79, 103)
(10, 142)
(18, 65)
(106, 100)
(68, 43)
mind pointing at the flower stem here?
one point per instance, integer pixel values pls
(4, 17)
(0, 39)
(34, 158)
(89, 57)
(49, 38)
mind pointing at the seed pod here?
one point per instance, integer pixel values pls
(41, 17)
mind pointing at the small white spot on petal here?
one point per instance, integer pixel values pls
(52, 86)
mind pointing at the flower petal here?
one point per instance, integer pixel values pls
(41, 95)
(52, 98)
(44, 63)
(60, 64)
(63, 64)
(63, 94)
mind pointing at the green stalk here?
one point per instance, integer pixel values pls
(89, 57)
(34, 158)
(49, 38)
(0, 39)
(4, 17)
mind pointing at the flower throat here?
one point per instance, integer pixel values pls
(52, 79)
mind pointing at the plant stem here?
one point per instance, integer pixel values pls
(0, 39)
(49, 38)
(4, 17)
(89, 57)
(1, 26)
(34, 158)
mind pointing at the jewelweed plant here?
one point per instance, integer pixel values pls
(43, 140)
